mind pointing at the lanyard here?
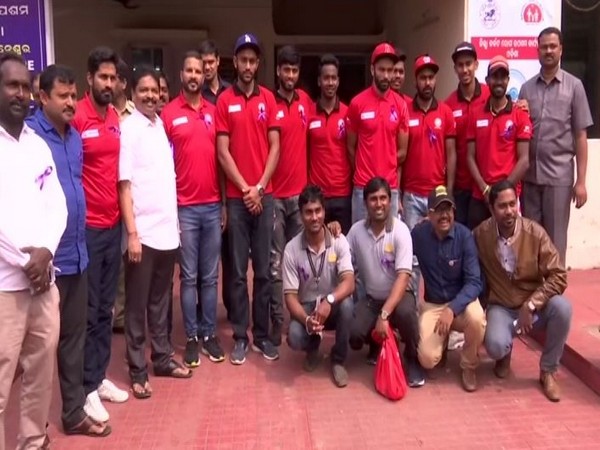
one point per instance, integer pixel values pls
(316, 275)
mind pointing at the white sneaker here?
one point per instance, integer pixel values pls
(456, 340)
(107, 391)
(94, 408)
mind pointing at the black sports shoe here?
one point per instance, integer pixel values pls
(191, 357)
(266, 347)
(212, 349)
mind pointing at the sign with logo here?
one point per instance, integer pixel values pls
(510, 28)
(26, 29)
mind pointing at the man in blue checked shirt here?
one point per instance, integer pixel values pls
(58, 97)
(450, 267)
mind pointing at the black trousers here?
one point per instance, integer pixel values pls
(463, 201)
(147, 294)
(478, 212)
(340, 210)
(104, 249)
(404, 318)
(73, 290)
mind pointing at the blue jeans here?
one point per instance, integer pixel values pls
(415, 210)
(246, 233)
(200, 252)
(555, 318)
(359, 210)
(340, 320)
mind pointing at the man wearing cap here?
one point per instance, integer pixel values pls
(431, 157)
(377, 131)
(468, 95)
(248, 151)
(498, 135)
(293, 107)
(329, 167)
(561, 115)
(448, 260)
(399, 75)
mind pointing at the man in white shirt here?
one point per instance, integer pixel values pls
(148, 200)
(32, 220)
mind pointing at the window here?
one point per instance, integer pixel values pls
(147, 56)
(580, 51)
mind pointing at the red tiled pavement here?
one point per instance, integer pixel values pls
(275, 405)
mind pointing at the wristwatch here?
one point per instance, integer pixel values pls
(261, 190)
(330, 299)
(384, 314)
(530, 306)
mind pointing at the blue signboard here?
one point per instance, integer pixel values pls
(23, 30)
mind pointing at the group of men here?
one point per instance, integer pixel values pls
(224, 173)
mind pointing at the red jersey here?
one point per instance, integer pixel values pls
(425, 164)
(461, 107)
(247, 121)
(292, 172)
(496, 138)
(193, 136)
(328, 154)
(101, 147)
(376, 120)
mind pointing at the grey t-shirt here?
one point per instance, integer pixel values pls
(558, 110)
(379, 259)
(298, 277)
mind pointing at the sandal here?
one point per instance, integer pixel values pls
(89, 427)
(140, 387)
(174, 370)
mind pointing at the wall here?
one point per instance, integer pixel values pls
(584, 230)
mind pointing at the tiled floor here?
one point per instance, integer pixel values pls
(274, 405)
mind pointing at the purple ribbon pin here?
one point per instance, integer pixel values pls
(41, 178)
(262, 113)
(432, 136)
(508, 132)
(341, 129)
(393, 115)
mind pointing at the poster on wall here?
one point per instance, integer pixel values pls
(26, 29)
(510, 28)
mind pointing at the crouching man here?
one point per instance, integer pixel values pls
(448, 259)
(318, 282)
(525, 281)
(383, 254)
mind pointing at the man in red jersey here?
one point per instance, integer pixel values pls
(329, 167)
(498, 135)
(431, 157)
(399, 75)
(190, 124)
(293, 108)
(98, 123)
(468, 95)
(377, 131)
(248, 151)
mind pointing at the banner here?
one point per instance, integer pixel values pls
(510, 28)
(26, 29)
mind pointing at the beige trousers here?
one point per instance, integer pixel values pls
(29, 329)
(431, 345)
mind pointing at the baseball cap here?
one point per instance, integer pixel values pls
(246, 40)
(438, 196)
(384, 49)
(424, 61)
(464, 47)
(497, 63)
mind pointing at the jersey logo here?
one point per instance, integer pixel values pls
(180, 121)
(207, 119)
(302, 115)
(457, 113)
(367, 115)
(314, 124)
(437, 123)
(234, 108)
(87, 134)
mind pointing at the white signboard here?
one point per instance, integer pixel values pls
(510, 28)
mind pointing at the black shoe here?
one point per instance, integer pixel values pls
(266, 347)
(212, 349)
(191, 357)
(276, 331)
(373, 354)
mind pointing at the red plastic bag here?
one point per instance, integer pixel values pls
(389, 375)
